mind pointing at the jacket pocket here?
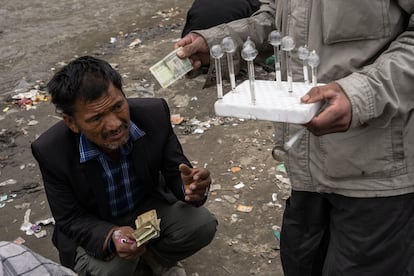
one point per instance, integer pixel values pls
(364, 152)
(351, 20)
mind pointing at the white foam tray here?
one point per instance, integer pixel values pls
(272, 103)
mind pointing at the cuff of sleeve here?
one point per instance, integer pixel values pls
(360, 96)
(109, 250)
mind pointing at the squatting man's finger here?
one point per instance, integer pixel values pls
(196, 182)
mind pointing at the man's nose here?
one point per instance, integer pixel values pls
(112, 122)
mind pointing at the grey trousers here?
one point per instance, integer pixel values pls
(184, 231)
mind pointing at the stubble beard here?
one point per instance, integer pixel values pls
(116, 145)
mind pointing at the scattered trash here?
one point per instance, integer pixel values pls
(19, 240)
(198, 131)
(281, 167)
(147, 89)
(27, 100)
(34, 228)
(26, 223)
(41, 234)
(234, 218)
(46, 221)
(282, 179)
(230, 199)
(215, 187)
(8, 182)
(244, 208)
(3, 198)
(276, 231)
(176, 119)
(275, 201)
(134, 43)
(235, 169)
(32, 123)
(239, 185)
(24, 205)
(26, 95)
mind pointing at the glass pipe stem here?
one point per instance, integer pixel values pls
(250, 67)
(305, 72)
(277, 66)
(218, 78)
(314, 79)
(289, 71)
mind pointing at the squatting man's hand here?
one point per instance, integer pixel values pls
(195, 48)
(196, 181)
(337, 115)
(125, 244)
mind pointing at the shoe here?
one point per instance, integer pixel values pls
(160, 270)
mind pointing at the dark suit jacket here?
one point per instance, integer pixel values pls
(76, 192)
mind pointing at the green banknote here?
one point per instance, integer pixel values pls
(170, 69)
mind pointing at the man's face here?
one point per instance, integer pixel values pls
(104, 121)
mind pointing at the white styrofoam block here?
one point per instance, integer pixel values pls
(272, 103)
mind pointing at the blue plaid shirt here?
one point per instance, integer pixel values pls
(123, 192)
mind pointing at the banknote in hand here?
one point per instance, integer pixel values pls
(170, 69)
(147, 227)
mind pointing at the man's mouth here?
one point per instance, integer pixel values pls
(116, 134)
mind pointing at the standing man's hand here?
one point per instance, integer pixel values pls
(195, 47)
(196, 181)
(336, 116)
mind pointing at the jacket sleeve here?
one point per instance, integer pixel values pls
(258, 26)
(384, 89)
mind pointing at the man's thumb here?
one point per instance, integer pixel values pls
(185, 170)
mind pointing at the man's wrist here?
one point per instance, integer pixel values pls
(110, 249)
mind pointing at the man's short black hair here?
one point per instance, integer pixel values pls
(86, 78)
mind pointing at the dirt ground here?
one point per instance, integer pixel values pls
(43, 36)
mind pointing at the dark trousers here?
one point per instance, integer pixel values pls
(185, 229)
(333, 235)
(204, 14)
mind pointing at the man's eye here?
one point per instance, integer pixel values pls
(95, 119)
(117, 107)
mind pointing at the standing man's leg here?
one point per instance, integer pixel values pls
(304, 234)
(371, 236)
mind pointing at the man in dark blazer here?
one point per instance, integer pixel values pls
(109, 160)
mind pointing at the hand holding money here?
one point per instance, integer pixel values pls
(124, 243)
(147, 227)
(194, 47)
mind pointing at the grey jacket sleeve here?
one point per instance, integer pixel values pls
(384, 89)
(258, 26)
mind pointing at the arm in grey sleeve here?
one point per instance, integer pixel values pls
(384, 89)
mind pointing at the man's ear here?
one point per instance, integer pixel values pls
(70, 122)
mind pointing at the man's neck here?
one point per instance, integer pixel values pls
(113, 154)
